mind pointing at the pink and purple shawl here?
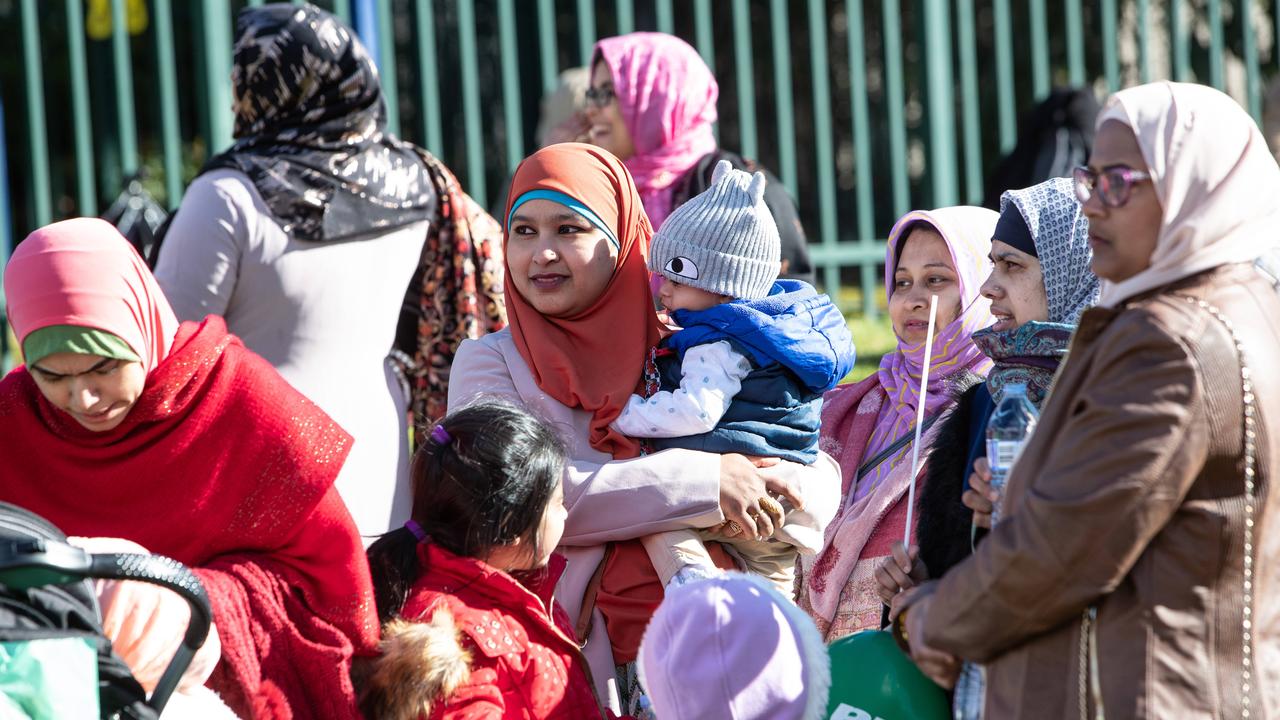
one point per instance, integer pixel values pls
(862, 419)
(667, 95)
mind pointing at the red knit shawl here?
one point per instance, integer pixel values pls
(223, 466)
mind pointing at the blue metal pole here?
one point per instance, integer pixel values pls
(366, 24)
(386, 64)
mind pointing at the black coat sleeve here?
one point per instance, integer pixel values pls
(944, 532)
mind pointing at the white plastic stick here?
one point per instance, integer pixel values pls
(924, 395)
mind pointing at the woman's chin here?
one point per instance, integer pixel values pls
(553, 305)
(108, 421)
(910, 337)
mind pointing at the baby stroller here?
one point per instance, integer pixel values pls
(55, 661)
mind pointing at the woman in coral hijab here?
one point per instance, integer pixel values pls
(1133, 573)
(581, 341)
(125, 424)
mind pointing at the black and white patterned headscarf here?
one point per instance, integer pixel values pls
(311, 129)
(1061, 234)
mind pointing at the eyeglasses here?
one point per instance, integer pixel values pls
(1113, 185)
(600, 96)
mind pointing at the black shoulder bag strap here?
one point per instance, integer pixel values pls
(893, 449)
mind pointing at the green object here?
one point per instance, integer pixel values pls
(52, 679)
(44, 342)
(872, 679)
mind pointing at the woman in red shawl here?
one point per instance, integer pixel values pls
(125, 424)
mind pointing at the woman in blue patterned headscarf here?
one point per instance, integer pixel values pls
(1039, 285)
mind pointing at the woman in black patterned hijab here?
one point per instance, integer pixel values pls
(318, 233)
(311, 129)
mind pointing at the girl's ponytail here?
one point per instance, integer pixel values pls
(393, 561)
(482, 479)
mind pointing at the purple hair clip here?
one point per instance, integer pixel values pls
(417, 530)
(440, 436)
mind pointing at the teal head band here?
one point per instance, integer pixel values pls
(570, 202)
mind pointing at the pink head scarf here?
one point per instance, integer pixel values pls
(967, 232)
(667, 95)
(1217, 182)
(83, 272)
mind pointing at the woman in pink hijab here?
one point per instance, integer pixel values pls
(652, 103)
(869, 426)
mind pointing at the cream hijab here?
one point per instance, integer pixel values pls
(1216, 180)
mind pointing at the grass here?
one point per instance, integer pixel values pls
(872, 336)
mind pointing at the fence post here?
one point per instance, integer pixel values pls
(941, 107)
(366, 26)
(1214, 11)
(126, 122)
(511, 112)
(626, 16)
(786, 104)
(428, 76)
(746, 77)
(666, 16)
(1253, 92)
(216, 26)
(969, 90)
(6, 242)
(473, 128)
(170, 135)
(863, 200)
(87, 199)
(1041, 79)
(894, 101)
(586, 30)
(822, 140)
(1144, 41)
(38, 139)
(1006, 98)
(387, 65)
(1075, 44)
(548, 49)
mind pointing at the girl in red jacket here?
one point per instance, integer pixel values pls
(464, 589)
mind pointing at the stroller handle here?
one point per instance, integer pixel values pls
(169, 573)
(27, 563)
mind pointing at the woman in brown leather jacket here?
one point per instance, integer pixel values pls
(1128, 574)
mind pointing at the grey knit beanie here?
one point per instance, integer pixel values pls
(723, 240)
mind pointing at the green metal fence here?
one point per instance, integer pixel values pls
(863, 108)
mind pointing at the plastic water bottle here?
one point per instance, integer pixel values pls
(1008, 430)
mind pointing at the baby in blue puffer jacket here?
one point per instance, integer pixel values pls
(746, 372)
